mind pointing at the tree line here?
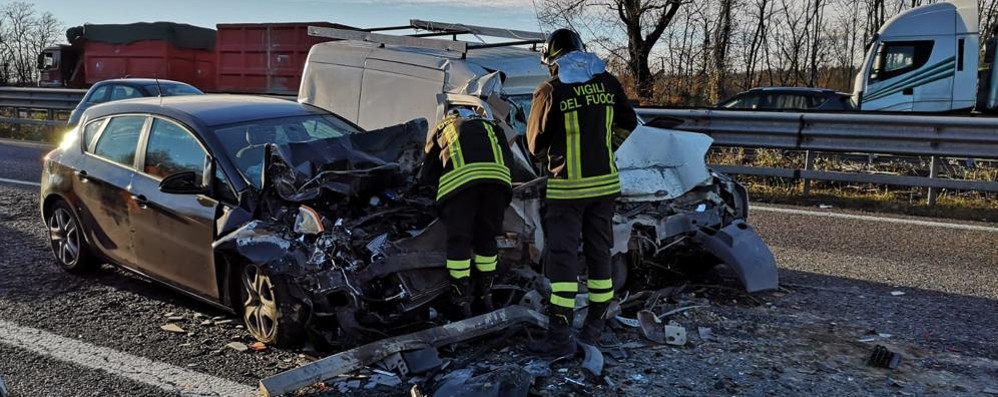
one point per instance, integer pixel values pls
(697, 52)
(24, 33)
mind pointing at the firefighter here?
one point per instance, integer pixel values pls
(466, 157)
(575, 119)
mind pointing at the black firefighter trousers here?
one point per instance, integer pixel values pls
(473, 218)
(565, 221)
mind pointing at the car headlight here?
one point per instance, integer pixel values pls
(308, 221)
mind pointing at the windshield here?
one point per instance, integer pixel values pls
(521, 111)
(172, 89)
(244, 143)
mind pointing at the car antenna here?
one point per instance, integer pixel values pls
(159, 90)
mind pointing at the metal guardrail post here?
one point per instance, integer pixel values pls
(933, 173)
(808, 165)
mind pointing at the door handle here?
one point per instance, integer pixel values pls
(141, 200)
(908, 91)
(82, 174)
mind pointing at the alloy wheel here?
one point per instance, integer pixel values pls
(260, 307)
(64, 234)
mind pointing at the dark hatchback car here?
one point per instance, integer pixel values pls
(789, 98)
(118, 89)
(151, 184)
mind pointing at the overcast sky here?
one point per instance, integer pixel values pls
(515, 14)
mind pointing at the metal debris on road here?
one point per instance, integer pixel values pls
(357, 358)
(174, 328)
(630, 322)
(677, 311)
(884, 358)
(538, 369)
(897, 293)
(704, 333)
(650, 327)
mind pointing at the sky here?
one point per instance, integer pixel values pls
(513, 14)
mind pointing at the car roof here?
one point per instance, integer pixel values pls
(796, 90)
(208, 110)
(137, 81)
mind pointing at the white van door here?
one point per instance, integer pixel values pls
(393, 91)
(912, 74)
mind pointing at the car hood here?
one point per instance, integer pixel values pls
(659, 164)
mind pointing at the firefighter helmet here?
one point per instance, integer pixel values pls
(559, 43)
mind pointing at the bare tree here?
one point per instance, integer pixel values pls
(643, 22)
(24, 33)
(719, 51)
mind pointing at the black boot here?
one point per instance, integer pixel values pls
(461, 296)
(558, 341)
(485, 280)
(592, 328)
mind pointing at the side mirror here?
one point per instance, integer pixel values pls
(185, 182)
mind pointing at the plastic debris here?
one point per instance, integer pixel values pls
(538, 369)
(675, 335)
(897, 293)
(884, 358)
(172, 328)
(704, 333)
(257, 346)
(630, 322)
(593, 360)
(237, 346)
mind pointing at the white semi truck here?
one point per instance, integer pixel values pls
(926, 59)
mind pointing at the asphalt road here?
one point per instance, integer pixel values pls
(65, 335)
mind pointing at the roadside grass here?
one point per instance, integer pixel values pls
(965, 205)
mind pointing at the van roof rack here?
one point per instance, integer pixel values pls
(433, 29)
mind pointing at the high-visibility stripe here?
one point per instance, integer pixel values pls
(563, 302)
(458, 177)
(599, 283)
(570, 136)
(486, 267)
(577, 155)
(565, 286)
(454, 145)
(600, 297)
(568, 194)
(583, 182)
(609, 135)
(459, 264)
(494, 141)
(459, 274)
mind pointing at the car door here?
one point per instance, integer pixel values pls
(174, 232)
(103, 183)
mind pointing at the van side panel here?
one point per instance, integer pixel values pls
(334, 82)
(385, 82)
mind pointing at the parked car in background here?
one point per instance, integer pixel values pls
(789, 98)
(118, 89)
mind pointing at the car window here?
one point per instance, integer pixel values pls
(99, 95)
(245, 142)
(120, 92)
(744, 101)
(90, 131)
(120, 139)
(172, 89)
(172, 149)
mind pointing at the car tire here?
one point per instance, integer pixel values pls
(271, 314)
(67, 242)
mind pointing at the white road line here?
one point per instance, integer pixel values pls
(902, 221)
(17, 182)
(170, 378)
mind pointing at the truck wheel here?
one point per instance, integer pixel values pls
(66, 238)
(271, 314)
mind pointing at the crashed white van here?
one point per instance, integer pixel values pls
(674, 214)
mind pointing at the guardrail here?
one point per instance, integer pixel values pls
(47, 107)
(935, 136)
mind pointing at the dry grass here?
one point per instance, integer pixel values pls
(968, 205)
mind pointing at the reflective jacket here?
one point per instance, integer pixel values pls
(463, 152)
(576, 124)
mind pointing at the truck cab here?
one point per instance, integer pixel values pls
(56, 66)
(923, 60)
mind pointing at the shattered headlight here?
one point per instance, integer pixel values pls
(308, 221)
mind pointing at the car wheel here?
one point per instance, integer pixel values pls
(271, 314)
(66, 237)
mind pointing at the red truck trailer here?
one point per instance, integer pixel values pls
(259, 58)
